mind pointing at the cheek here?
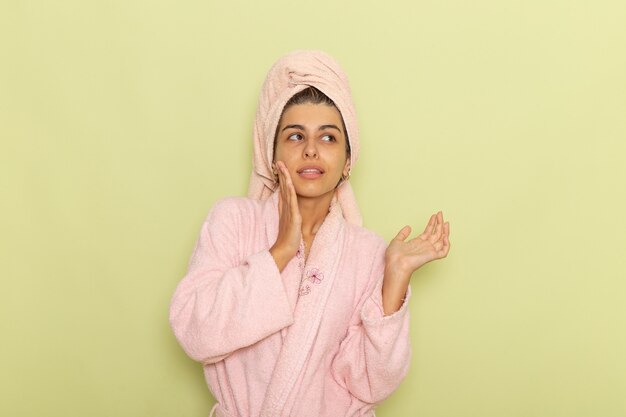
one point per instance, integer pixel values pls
(342, 161)
(279, 154)
(285, 160)
(283, 151)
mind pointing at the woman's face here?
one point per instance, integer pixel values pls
(312, 143)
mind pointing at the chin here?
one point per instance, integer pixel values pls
(312, 193)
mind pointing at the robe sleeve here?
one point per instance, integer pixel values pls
(375, 355)
(223, 303)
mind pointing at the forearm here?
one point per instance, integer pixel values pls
(395, 285)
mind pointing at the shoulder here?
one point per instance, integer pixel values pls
(229, 209)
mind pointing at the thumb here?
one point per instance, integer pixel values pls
(403, 233)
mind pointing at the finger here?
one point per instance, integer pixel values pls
(286, 205)
(281, 181)
(285, 171)
(284, 180)
(431, 222)
(403, 233)
(430, 229)
(293, 198)
(287, 175)
(290, 192)
(438, 228)
(446, 247)
(439, 243)
(280, 189)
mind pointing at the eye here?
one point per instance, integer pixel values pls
(329, 138)
(295, 136)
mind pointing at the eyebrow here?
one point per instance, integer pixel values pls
(322, 127)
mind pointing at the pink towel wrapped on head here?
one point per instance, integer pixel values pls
(291, 74)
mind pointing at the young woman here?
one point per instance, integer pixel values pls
(291, 306)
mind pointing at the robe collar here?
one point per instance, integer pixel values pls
(326, 234)
(308, 296)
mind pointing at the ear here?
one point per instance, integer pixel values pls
(346, 167)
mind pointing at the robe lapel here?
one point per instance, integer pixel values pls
(309, 285)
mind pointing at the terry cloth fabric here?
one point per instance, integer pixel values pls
(291, 74)
(311, 340)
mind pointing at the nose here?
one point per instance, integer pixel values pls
(310, 149)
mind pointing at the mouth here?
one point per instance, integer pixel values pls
(310, 172)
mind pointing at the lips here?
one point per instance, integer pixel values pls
(310, 172)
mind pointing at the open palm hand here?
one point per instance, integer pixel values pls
(403, 256)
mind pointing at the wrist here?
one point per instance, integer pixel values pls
(281, 256)
(394, 289)
(396, 274)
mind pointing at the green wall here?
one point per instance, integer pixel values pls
(122, 122)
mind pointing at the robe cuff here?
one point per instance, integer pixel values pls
(273, 291)
(388, 342)
(373, 311)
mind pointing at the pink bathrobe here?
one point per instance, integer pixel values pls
(311, 341)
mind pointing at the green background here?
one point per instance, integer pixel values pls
(122, 122)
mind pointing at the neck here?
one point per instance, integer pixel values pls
(313, 212)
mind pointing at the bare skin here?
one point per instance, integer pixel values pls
(290, 220)
(303, 206)
(403, 257)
